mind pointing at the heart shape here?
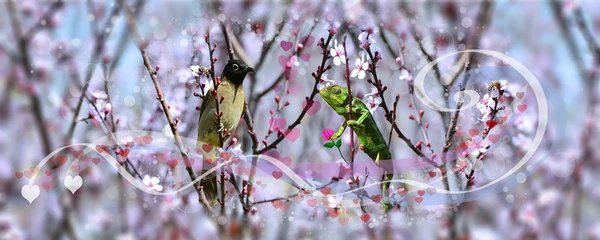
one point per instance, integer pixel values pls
(473, 132)
(307, 41)
(146, 139)
(77, 154)
(277, 174)
(432, 174)
(298, 198)
(332, 213)
(325, 191)
(48, 173)
(73, 183)
(285, 45)
(30, 192)
(285, 206)
(314, 107)
(312, 202)
(277, 203)
(376, 198)
(61, 160)
(520, 94)
(75, 168)
(418, 199)
(522, 107)
(421, 192)
(96, 160)
(431, 191)
(365, 217)
(494, 137)
(19, 175)
(207, 147)
(292, 134)
(172, 163)
(305, 57)
(277, 123)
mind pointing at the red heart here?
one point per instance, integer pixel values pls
(96, 160)
(473, 132)
(418, 199)
(101, 148)
(277, 174)
(210, 160)
(463, 146)
(421, 192)
(355, 201)
(312, 202)
(520, 94)
(365, 217)
(522, 107)
(376, 198)
(402, 191)
(48, 173)
(494, 138)
(292, 134)
(432, 174)
(325, 191)
(285, 45)
(61, 160)
(343, 220)
(332, 213)
(172, 163)
(19, 175)
(146, 139)
(207, 147)
(277, 203)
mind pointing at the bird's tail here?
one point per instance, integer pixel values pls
(209, 183)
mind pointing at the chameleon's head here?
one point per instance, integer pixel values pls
(334, 95)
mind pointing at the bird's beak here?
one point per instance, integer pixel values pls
(249, 69)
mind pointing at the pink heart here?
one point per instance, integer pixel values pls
(294, 89)
(307, 41)
(305, 57)
(291, 74)
(274, 154)
(522, 107)
(402, 191)
(277, 123)
(473, 132)
(494, 138)
(172, 163)
(376, 198)
(286, 45)
(418, 199)
(96, 160)
(314, 107)
(292, 134)
(277, 174)
(520, 94)
(312, 202)
(325, 191)
(282, 60)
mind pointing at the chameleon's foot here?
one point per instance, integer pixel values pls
(335, 136)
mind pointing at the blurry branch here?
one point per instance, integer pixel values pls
(154, 76)
(376, 82)
(123, 39)
(44, 20)
(418, 39)
(588, 79)
(302, 191)
(36, 103)
(350, 98)
(98, 48)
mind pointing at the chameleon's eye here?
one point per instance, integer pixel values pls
(336, 90)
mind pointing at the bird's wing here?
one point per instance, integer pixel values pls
(208, 97)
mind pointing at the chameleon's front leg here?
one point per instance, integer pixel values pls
(339, 132)
(364, 115)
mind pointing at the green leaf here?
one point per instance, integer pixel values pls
(328, 144)
(338, 143)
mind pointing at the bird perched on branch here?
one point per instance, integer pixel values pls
(232, 100)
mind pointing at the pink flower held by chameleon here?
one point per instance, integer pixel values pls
(327, 133)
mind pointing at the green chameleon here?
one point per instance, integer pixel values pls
(363, 124)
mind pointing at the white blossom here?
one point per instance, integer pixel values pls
(337, 52)
(373, 100)
(153, 183)
(361, 67)
(324, 82)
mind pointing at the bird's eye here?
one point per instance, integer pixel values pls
(235, 67)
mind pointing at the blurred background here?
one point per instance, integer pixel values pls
(520, 159)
